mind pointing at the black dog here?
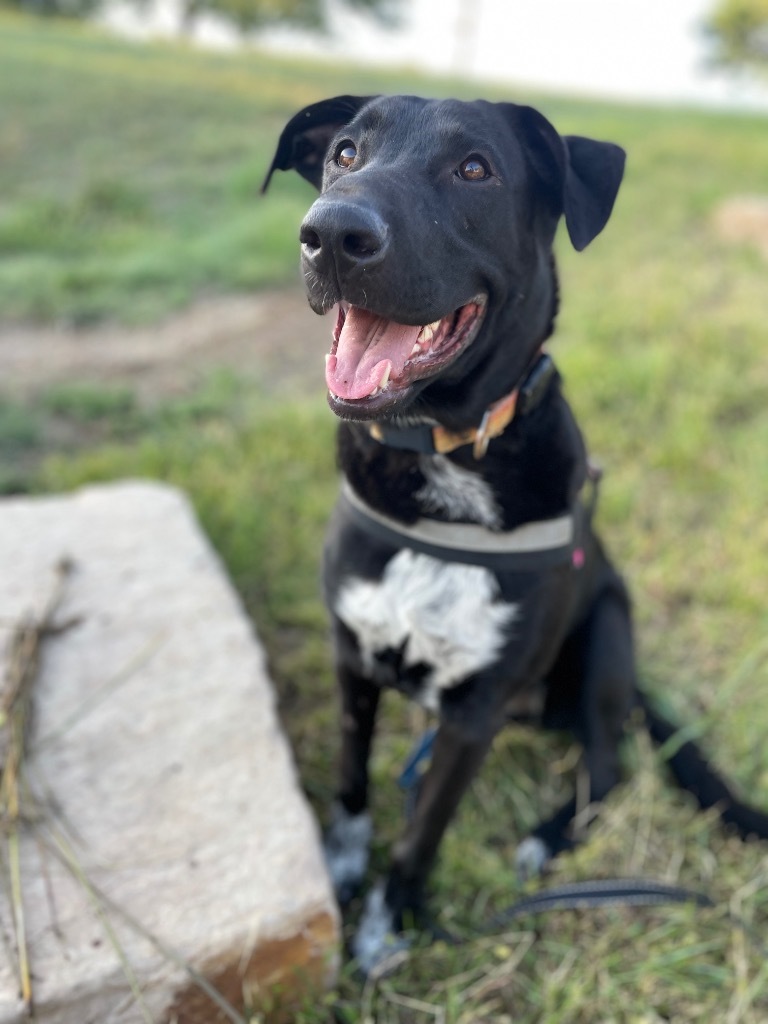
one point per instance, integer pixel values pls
(460, 566)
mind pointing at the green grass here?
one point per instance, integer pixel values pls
(88, 403)
(128, 185)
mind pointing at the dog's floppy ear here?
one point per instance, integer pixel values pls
(592, 180)
(304, 140)
(584, 174)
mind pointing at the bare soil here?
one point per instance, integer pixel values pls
(272, 336)
(744, 220)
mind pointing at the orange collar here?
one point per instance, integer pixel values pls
(496, 418)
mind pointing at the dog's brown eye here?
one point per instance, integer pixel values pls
(474, 168)
(346, 154)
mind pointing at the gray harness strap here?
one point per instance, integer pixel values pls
(532, 546)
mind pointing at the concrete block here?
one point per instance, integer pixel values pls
(156, 752)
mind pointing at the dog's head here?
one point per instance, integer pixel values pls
(433, 236)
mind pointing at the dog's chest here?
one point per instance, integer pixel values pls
(439, 622)
(456, 493)
(429, 622)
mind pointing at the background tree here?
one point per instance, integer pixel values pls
(245, 14)
(251, 14)
(739, 29)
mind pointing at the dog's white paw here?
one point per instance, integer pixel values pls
(532, 857)
(376, 947)
(346, 845)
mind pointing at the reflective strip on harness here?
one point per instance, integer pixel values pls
(531, 546)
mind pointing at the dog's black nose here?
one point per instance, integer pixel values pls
(343, 234)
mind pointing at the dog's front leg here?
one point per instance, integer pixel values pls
(399, 902)
(348, 837)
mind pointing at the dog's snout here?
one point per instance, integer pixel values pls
(344, 235)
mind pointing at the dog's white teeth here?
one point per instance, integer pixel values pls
(383, 381)
(427, 333)
(425, 339)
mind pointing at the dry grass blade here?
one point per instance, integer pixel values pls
(104, 691)
(15, 713)
(62, 848)
(96, 901)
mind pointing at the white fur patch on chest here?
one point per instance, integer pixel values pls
(445, 615)
(456, 493)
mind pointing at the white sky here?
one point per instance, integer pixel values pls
(644, 49)
(651, 49)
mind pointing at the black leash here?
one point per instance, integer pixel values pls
(588, 895)
(616, 892)
(608, 892)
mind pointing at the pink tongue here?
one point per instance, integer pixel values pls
(368, 346)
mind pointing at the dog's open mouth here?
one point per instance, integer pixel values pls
(372, 355)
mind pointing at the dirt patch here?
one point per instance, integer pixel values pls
(273, 337)
(744, 220)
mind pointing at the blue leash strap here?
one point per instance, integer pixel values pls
(415, 766)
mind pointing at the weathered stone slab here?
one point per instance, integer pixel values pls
(157, 763)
